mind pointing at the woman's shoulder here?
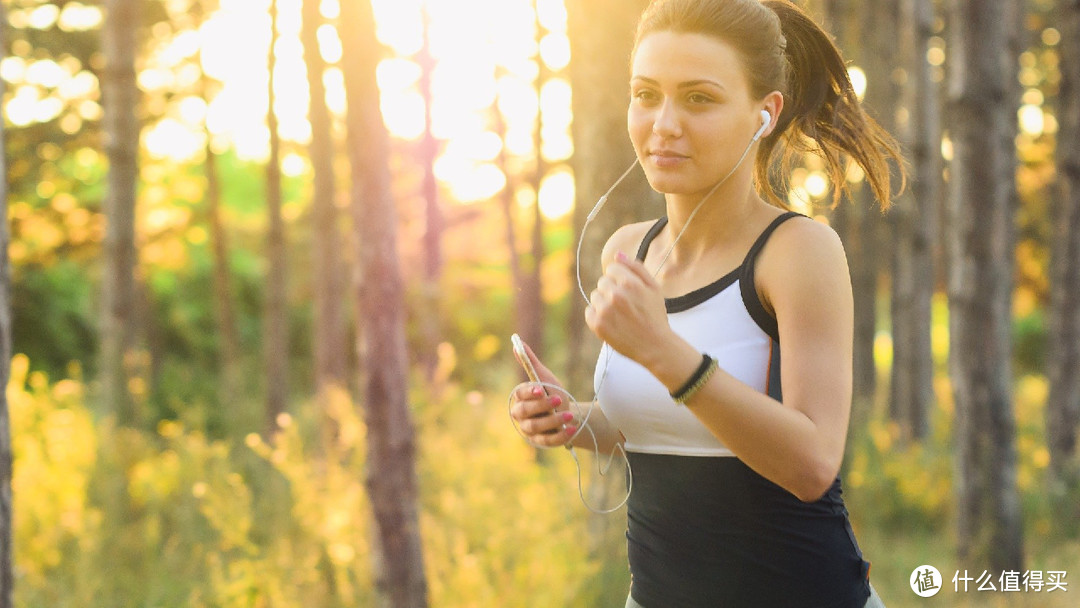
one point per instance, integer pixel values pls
(626, 239)
(803, 257)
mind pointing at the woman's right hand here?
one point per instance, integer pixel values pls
(541, 413)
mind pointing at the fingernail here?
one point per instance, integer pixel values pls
(620, 256)
(537, 391)
(556, 401)
(571, 429)
(567, 416)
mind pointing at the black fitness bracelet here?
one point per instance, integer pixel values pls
(697, 380)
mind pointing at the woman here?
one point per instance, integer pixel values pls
(730, 381)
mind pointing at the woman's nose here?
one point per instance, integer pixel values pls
(666, 122)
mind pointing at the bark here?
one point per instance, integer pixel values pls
(913, 224)
(391, 479)
(601, 39)
(1063, 403)
(330, 343)
(275, 320)
(981, 214)
(7, 553)
(121, 128)
(224, 311)
(428, 152)
(857, 221)
(532, 301)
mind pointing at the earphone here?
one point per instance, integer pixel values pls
(766, 120)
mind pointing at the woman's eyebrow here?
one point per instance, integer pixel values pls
(682, 85)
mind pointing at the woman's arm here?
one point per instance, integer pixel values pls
(803, 276)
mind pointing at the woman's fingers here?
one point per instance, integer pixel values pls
(545, 419)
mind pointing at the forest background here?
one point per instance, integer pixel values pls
(257, 304)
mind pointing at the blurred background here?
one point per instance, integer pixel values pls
(264, 258)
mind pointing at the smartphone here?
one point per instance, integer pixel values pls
(523, 358)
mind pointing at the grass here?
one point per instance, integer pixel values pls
(895, 555)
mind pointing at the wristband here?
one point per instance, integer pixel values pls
(697, 380)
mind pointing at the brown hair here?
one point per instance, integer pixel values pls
(784, 50)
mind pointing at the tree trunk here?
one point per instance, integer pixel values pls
(391, 479)
(912, 220)
(430, 327)
(857, 222)
(7, 553)
(330, 342)
(228, 339)
(532, 298)
(601, 38)
(981, 239)
(121, 129)
(1063, 403)
(276, 314)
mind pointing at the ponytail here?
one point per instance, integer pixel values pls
(824, 114)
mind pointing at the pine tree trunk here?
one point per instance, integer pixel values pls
(7, 553)
(981, 241)
(330, 342)
(601, 39)
(1063, 403)
(430, 326)
(391, 479)
(532, 329)
(121, 129)
(912, 221)
(276, 346)
(858, 223)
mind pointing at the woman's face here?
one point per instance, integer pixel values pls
(691, 112)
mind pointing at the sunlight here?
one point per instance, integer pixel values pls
(858, 81)
(557, 194)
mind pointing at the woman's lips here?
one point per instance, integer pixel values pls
(667, 158)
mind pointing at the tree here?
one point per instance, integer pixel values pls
(1063, 403)
(224, 310)
(391, 479)
(119, 97)
(601, 39)
(276, 322)
(980, 218)
(329, 335)
(428, 149)
(7, 554)
(859, 226)
(913, 223)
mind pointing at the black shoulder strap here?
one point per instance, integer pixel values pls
(649, 236)
(753, 304)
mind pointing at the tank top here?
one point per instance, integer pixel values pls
(703, 529)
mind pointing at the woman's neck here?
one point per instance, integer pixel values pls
(719, 222)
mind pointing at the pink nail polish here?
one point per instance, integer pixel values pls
(537, 391)
(571, 429)
(567, 416)
(556, 401)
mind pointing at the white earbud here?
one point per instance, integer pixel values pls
(766, 120)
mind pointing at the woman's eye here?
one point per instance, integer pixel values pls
(645, 96)
(698, 98)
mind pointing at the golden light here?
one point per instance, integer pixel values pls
(1031, 120)
(78, 17)
(555, 51)
(557, 194)
(858, 80)
(816, 184)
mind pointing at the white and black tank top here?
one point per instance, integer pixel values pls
(703, 529)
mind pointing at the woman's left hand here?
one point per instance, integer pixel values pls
(627, 310)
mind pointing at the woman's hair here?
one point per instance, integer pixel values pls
(784, 50)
